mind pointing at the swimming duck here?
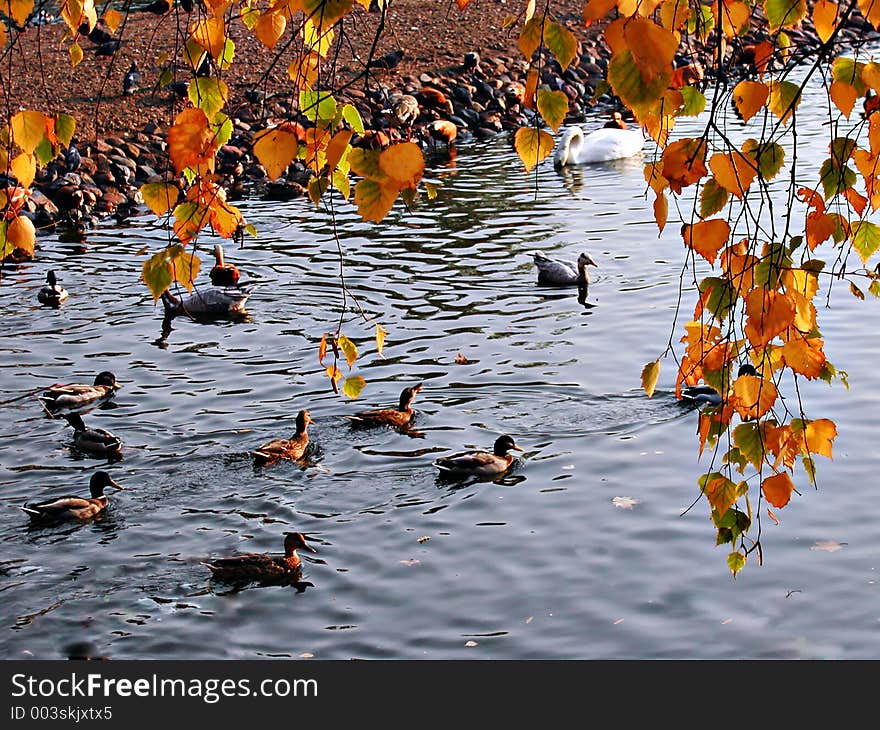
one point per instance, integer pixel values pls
(223, 274)
(480, 463)
(209, 301)
(608, 143)
(400, 416)
(706, 395)
(261, 566)
(76, 508)
(52, 293)
(93, 440)
(292, 448)
(552, 272)
(75, 398)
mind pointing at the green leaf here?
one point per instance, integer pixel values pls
(552, 106)
(866, 239)
(849, 71)
(735, 458)
(835, 179)
(842, 149)
(227, 55)
(749, 440)
(719, 490)
(351, 115)
(736, 562)
(208, 94)
(784, 99)
(721, 296)
(65, 126)
(353, 385)
(784, 13)
(769, 157)
(712, 198)
(694, 102)
(635, 90)
(561, 42)
(349, 349)
(316, 105)
(701, 22)
(874, 288)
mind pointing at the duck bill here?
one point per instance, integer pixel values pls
(516, 448)
(309, 548)
(116, 484)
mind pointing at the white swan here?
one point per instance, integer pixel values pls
(611, 142)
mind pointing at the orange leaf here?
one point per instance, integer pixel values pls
(190, 140)
(769, 313)
(275, 148)
(819, 436)
(112, 18)
(753, 396)
(844, 96)
(749, 97)
(733, 172)
(373, 199)
(269, 28)
(531, 88)
(322, 349)
(804, 355)
(684, 163)
(338, 146)
(404, 162)
(777, 489)
(706, 237)
(661, 211)
(24, 169)
(824, 18)
(21, 235)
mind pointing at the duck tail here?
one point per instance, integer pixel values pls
(29, 511)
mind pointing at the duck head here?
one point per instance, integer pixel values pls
(107, 378)
(407, 395)
(585, 260)
(294, 541)
(99, 481)
(50, 278)
(303, 419)
(503, 444)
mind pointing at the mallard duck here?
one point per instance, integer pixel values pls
(262, 566)
(400, 416)
(76, 508)
(58, 399)
(210, 301)
(293, 448)
(52, 293)
(480, 463)
(608, 143)
(223, 274)
(93, 440)
(552, 272)
(706, 395)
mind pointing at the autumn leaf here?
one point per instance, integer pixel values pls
(784, 99)
(20, 235)
(269, 28)
(684, 163)
(661, 211)
(191, 141)
(531, 37)
(353, 385)
(553, 107)
(380, 339)
(373, 199)
(208, 94)
(28, 129)
(753, 396)
(275, 148)
(561, 42)
(65, 126)
(333, 372)
(112, 18)
(76, 54)
(865, 239)
(160, 197)
(777, 489)
(706, 237)
(824, 18)
(713, 198)
(733, 171)
(349, 349)
(844, 96)
(210, 34)
(784, 13)
(769, 157)
(650, 373)
(736, 562)
(749, 97)
(719, 490)
(769, 313)
(24, 169)
(532, 146)
(338, 147)
(404, 162)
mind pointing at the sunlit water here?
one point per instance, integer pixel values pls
(545, 564)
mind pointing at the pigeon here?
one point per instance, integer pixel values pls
(131, 80)
(388, 61)
(72, 158)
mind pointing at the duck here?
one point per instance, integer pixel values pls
(480, 463)
(210, 301)
(52, 293)
(97, 441)
(75, 508)
(223, 274)
(398, 417)
(293, 448)
(262, 566)
(705, 395)
(552, 272)
(612, 142)
(58, 400)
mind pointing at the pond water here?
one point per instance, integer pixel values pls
(587, 550)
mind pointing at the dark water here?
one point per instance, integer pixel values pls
(586, 550)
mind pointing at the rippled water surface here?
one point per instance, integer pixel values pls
(585, 550)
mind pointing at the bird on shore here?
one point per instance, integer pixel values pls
(207, 302)
(612, 142)
(52, 293)
(480, 463)
(552, 272)
(132, 79)
(403, 112)
(96, 35)
(397, 417)
(388, 61)
(292, 449)
(705, 395)
(96, 441)
(72, 158)
(262, 566)
(157, 7)
(442, 131)
(73, 507)
(58, 400)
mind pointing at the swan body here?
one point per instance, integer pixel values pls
(293, 448)
(210, 301)
(52, 293)
(398, 417)
(58, 400)
(552, 272)
(71, 507)
(608, 143)
(262, 566)
(479, 463)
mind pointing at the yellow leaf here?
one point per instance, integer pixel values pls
(269, 28)
(706, 237)
(24, 169)
(753, 396)
(373, 199)
(349, 349)
(650, 373)
(20, 10)
(532, 146)
(160, 197)
(112, 18)
(322, 349)
(333, 372)
(380, 339)
(275, 148)
(777, 489)
(403, 162)
(561, 42)
(749, 97)
(824, 18)
(76, 55)
(804, 355)
(530, 37)
(552, 106)
(303, 70)
(317, 37)
(21, 234)
(652, 47)
(819, 436)
(734, 17)
(225, 218)
(210, 34)
(353, 386)
(28, 129)
(785, 97)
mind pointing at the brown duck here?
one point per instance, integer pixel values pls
(262, 566)
(398, 417)
(71, 507)
(293, 448)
